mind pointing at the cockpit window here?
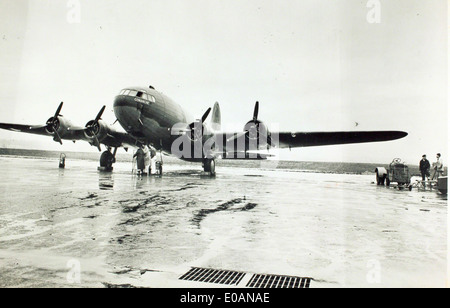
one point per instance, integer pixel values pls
(140, 94)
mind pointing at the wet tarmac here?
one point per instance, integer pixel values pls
(77, 227)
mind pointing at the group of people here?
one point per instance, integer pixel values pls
(425, 167)
(141, 157)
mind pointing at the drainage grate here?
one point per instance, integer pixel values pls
(276, 281)
(213, 276)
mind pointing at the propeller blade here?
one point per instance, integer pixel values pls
(99, 115)
(58, 111)
(205, 116)
(57, 136)
(97, 143)
(270, 142)
(256, 111)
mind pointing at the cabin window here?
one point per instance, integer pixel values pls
(133, 93)
(152, 99)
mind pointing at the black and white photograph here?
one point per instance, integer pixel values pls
(224, 148)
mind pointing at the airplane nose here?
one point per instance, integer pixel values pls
(127, 112)
(124, 101)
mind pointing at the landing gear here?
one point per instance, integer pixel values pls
(107, 159)
(209, 165)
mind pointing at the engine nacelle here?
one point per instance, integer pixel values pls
(60, 124)
(97, 129)
(197, 131)
(257, 132)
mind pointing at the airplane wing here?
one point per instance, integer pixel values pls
(97, 132)
(232, 143)
(308, 139)
(37, 130)
(112, 138)
(256, 136)
(117, 139)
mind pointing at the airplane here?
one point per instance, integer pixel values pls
(151, 119)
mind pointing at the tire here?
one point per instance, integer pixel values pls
(206, 166)
(388, 182)
(106, 159)
(212, 167)
(209, 165)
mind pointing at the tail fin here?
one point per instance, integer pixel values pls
(216, 122)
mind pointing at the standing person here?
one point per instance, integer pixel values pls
(438, 167)
(107, 159)
(424, 167)
(140, 160)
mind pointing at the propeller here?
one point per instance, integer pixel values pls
(53, 123)
(254, 128)
(93, 126)
(196, 133)
(254, 120)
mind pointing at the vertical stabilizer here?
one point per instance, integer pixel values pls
(216, 122)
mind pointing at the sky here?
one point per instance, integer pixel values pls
(314, 65)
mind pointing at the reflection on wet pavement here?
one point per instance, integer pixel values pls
(129, 231)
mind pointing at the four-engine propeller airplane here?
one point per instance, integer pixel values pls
(152, 119)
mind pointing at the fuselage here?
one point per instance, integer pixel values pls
(149, 116)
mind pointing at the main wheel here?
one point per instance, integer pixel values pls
(106, 159)
(388, 182)
(209, 165)
(212, 167)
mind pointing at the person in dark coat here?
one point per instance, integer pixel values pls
(424, 167)
(140, 160)
(107, 159)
